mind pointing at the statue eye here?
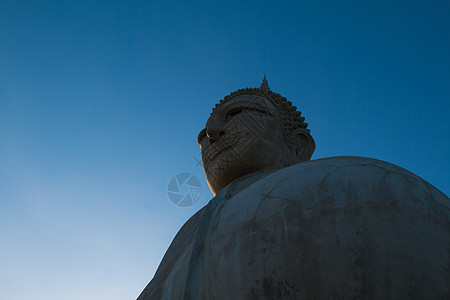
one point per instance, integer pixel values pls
(234, 112)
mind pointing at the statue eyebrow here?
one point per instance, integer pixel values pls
(235, 110)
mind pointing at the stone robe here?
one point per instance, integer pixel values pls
(333, 228)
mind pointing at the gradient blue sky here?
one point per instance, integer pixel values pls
(101, 103)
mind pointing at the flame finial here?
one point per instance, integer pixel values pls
(264, 85)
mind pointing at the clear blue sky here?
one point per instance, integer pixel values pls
(101, 103)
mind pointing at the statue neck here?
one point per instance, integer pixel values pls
(241, 183)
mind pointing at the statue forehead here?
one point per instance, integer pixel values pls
(244, 100)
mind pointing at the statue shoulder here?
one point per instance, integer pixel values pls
(333, 183)
(366, 177)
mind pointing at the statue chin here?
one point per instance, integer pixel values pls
(219, 176)
(218, 180)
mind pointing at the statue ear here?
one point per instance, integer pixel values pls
(304, 144)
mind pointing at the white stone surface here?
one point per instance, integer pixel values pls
(334, 228)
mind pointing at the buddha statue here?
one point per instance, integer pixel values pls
(282, 226)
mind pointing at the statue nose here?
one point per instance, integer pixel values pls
(215, 130)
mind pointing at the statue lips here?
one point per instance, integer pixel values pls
(220, 147)
(215, 152)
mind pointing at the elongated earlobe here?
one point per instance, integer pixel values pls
(304, 144)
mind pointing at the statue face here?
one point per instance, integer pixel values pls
(244, 135)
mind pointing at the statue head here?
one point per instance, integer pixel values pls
(252, 130)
